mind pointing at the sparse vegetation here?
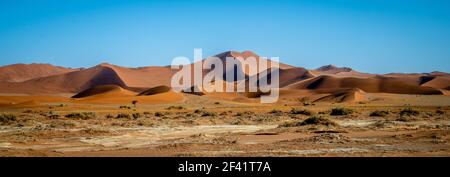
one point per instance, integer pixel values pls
(440, 112)
(83, 115)
(7, 118)
(123, 115)
(216, 103)
(314, 120)
(175, 108)
(300, 111)
(198, 111)
(276, 111)
(124, 107)
(136, 115)
(379, 113)
(134, 102)
(409, 112)
(318, 120)
(341, 111)
(159, 114)
(53, 116)
(109, 116)
(205, 114)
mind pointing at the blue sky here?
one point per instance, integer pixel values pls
(377, 36)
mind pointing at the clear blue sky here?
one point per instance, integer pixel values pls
(377, 36)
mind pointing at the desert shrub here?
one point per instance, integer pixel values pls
(124, 107)
(53, 116)
(146, 112)
(276, 111)
(205, 113)
(198, 111)
(109, 116)
(136, 115)
(223, 113)
(74, 115)
(409, 112)
(123, 115)
(159, 114)
(238, 114)
(300, 111)
(7, 118)
(314, 120)
(216, 103)
(440, 112)
(379, 113)
(83, 115)
(175, 108)
(341, 111)
(406, 119)
(318, 120)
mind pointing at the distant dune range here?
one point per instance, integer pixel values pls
(107, 83)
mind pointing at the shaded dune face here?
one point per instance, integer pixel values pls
(439, 82)
(373, 85)
(345, 95)
(102, 89)
(155, 90)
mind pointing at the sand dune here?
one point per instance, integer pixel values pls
(340, 72)
(155, 90)
(346, 95)
(104, 91)
(136, 79)
(23, 72)
(439, 82)
(379, 84)
(107, 83)
(113, 94)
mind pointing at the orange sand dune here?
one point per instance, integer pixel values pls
(439, 82)
(155, 90)
(340, 71)
(104, 91)
(113, 94)
(23, 72)
(379, 84)
(103, 74)
(346, 95)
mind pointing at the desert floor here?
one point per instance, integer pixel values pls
(410, 125)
